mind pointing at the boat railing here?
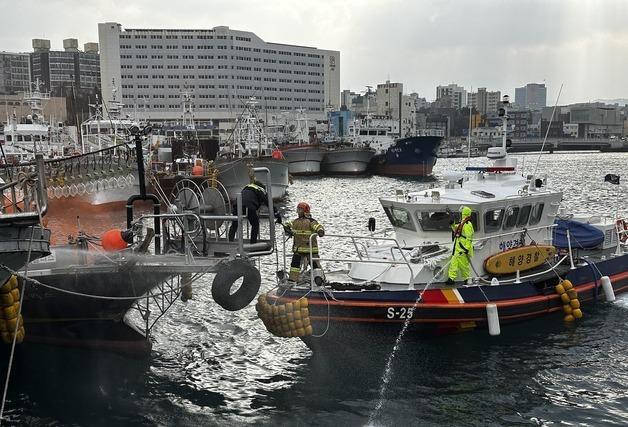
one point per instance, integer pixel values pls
(510, 233)
(26, 198)
(354, 240)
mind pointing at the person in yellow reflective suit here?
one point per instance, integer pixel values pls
(463, 248)
(301, 229)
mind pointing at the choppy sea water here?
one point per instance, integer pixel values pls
(212, 367)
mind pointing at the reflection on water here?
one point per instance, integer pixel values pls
(210, 366)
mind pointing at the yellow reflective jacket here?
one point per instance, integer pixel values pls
(463, 237)
(302, 229)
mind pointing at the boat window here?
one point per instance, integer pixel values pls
(27, 138)
(524, 214)
(399, 218)
(364, 132)
(493, 220)
(439, 221)
(8, 138)
(512, 213)
(372, 132)
(381, 133)
(536, 213)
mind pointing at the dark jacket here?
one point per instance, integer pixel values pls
(254, 196)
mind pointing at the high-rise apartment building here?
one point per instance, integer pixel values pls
(456, 95)
(532, 96)
(484, 101)
(221, 67)
(14, 73)
(62, 71)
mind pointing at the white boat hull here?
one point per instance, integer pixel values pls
(234, 174)
(304, 160)
(347, 161)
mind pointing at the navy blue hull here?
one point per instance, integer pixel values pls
(414, 157)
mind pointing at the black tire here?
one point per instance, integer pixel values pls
(226, 277)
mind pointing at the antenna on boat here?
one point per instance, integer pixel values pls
(548, 129)
(469, 134)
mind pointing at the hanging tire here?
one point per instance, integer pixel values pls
(227, 276)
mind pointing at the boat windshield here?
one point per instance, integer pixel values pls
(399, 218)
(439, 220)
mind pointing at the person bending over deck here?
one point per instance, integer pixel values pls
(253, 197)
(463, 248)
(301, 229)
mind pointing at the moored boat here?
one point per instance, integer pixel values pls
(347, 159)
(531, 260)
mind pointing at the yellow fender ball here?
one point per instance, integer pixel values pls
(567, 309)
(574, 303)
(6, 288)
(275, 310)
(297, 314)
(567, 285)
(565, 298)
(289, 307)
(308, 330)
(282, 309)
(573, 294)
(304, 303)
(306, 322)
(560, 289)
(290, 317)
(15, 293)
(262, 298)
(11, 311)
(569, 318)
(11, 323)
(298, 323)
(577, 313)
(20, 335)
(6, 299)
(300, 332)
(305, 312)
(6, 337)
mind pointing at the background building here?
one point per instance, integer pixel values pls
(67, 70)
(14, 73)
(484, 101)
(453, 95)
(220, 66)
(532, 96)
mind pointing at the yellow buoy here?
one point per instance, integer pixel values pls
(11, 311)
(305, 312)
(565, 298)
(298, 323)
(275, 310)
(567, 309)
(297, 314)
(306, 321)
(567, 285)
(15, 293)
(308, 330)
(573, 294)
(577, 313)
(290, 316)
(282, 309)
(574, 303)
(560, 289)
(6, 299)
(11, 323)
(300, 332)
(569, 318)
(289, 308)
(304, 303)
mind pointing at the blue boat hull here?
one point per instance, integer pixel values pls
(412, 157)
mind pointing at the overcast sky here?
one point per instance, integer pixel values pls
(497, 44)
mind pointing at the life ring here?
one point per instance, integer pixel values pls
(622, 230)
(227, 276)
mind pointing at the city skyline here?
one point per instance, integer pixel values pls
(422, 44)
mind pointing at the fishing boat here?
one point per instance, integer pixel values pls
(106, 292)
(35, 134)
(249, 147)
(410, 157)
(304, 156)
(532, 259)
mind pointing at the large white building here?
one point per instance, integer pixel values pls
(221, 67)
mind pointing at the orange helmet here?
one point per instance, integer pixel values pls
(304, 206)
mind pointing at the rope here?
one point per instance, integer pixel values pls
(79, 294)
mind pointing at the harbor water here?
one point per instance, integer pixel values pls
(213, 367)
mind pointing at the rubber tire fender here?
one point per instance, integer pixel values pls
(227, 275)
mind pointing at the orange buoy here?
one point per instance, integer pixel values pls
(197, 170)
(277, 155)
(112, 240)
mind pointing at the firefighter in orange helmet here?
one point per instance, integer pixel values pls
(301, 229)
